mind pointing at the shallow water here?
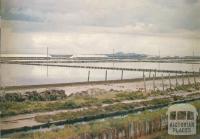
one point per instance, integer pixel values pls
(28, 74)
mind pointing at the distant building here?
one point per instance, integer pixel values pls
(60, 56)
(89, 57)
(121, 55)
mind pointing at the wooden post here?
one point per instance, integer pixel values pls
(188, 78)
(47, 70)
(150, 74)
(199, 71)
(176, 80)
(194, 78)
(170, 84)
(122, 74)
(154, 85)
(183, 82)
(163, 83)
(106, 75)
(145, 89)
(89, 76)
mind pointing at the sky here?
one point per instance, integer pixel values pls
(101, 26)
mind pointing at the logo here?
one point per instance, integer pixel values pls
(182, 119)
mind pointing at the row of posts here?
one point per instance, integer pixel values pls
(169, 78)
(106, 75)
(154, 77)
(122, 74)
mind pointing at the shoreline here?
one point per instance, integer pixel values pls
(74, 84)
(69, 84)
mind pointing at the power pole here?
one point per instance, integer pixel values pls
(159, 58)
(47, 60)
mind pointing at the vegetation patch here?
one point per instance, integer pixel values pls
(107, 127)
(50, 102)
(47, 95)
(98, 112)
(94, 129)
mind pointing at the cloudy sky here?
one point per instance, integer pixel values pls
(99, 26)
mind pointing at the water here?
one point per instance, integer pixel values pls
(29, 75)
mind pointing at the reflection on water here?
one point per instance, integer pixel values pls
(28, 74)
(147, 65)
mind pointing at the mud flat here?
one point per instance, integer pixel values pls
(118, 85)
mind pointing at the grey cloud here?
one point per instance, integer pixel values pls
(166, 15)
(116, 22)
(191, 1)
(21, 17)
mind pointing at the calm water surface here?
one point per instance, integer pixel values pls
(28, 74)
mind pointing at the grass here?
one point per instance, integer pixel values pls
(187, 87)
(97, 111)
(94, 128)
(14, 108)
(130, 96)
(97, 127)
(72, 102)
